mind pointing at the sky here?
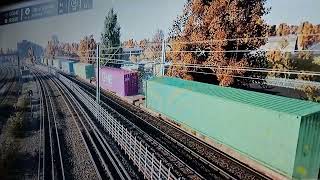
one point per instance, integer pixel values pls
(293, 11)
(138, 19)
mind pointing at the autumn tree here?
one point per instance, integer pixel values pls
(153, 49)
(199, 37)
(303, 60)
(133, 58)
(280, 60)
(143, 43)
(31, 55)
(129, 44)
(307, 36)
(283, 30)
(87, 50)
(272, 31)
(110, 39)
(51, 50)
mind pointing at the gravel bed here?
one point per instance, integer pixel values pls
(77, 162)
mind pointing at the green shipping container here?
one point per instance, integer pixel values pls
(85, 71)
(281, 133)
(67, 67)
(57, 63)
(50, 62)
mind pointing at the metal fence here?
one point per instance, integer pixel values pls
(290, 83)
(148, 165)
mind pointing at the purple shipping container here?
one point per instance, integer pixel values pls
(119, 81)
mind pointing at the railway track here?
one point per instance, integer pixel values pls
(204, 159)
(106, 163)
(51, 162)
(179, 168)
(4, 74)
(9, 83)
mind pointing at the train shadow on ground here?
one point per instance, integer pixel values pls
(6, 111)
(25, 164)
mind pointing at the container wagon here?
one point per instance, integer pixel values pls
(68, 67)
(122, 82)
(57, 63)
(50, 62)
(280, 133)
(83, 70)
(43, 61)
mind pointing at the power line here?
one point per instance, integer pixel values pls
(210, 66)
(241, 39)
(242, 51)
(283, 82)
(245, 69)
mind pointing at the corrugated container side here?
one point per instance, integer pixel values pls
(83, 70)
(131, 84)
(56, 63)
(50, 62)
(307, 164)
(123, 83)
(67, 67)
(112, 80)
(263, 127)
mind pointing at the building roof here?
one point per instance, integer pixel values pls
(274, 43)
(134, 49)
(315, 48)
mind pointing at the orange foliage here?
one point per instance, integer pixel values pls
(130, 43)
(204, 20)
(86, 50)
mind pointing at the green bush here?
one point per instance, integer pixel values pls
(8, 155)
(17, 126)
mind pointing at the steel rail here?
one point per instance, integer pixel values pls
(156, 146)
(9, 88)
(120, 169)
(88, 135)
(148, 139)
(138, 152)
(74, 113)
(115, 162)
(56, 160)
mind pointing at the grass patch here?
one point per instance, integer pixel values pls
(15, 129)
(5, 111)
(8, 156)
(17, 125)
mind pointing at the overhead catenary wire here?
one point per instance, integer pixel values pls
(265, 70)
(213, 67)
(244, 77)
(225, 39)
(268, 80)
(208, 66)
(243, 51)
(240, 39)
(291, 72)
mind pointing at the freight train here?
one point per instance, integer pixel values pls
(119, 81)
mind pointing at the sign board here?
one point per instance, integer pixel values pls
(43, 10)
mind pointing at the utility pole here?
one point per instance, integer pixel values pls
(30, 96)
(163, 58)
(98, 80)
